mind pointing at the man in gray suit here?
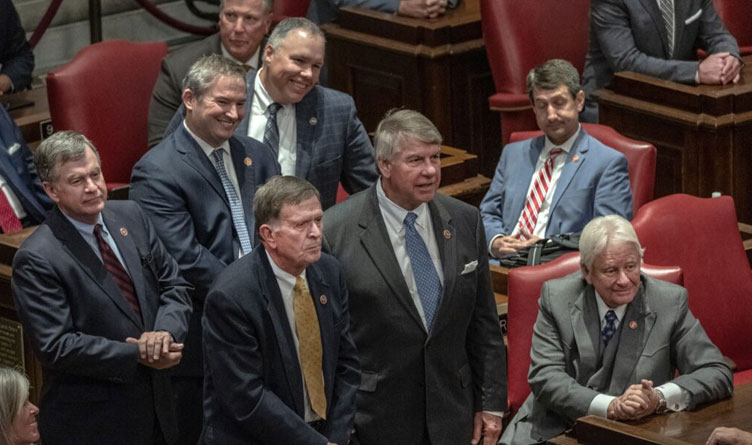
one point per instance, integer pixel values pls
(422, 310)
(609, 342)
(325, 11)
(242, 26)
(658, 38)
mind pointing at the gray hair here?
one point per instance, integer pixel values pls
(278, 192)
(14, 391)
(603, 231)
(290, 24)
(401, 124)
(268, 6)
(58, 149)
(551, 75)
(205, 70)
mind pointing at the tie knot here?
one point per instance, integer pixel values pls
(555, 152)
(246, 67)
(610, 316)
(273, 108)
(410, 219)
(98, 231)
(217, 155)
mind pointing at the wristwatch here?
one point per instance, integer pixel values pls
(662, 405)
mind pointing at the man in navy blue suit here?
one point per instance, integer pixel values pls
(197, 186)
(16, 56)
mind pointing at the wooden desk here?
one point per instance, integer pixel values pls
(436, 66)
(683, 428)
(30, 119)
(703, 133)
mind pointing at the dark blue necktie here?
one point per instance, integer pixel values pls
(271, 131)
(610, 328)
(426, 278)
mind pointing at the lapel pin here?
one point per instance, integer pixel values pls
(447, 234)
(575, 158)
(124, 231)
(313, 121)
(632, 324)
(323, 299)
(248, 162)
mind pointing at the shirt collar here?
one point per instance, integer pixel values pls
(603, 308)
(280, 274)
(262, 96)
(395, 215)
(253, 61)
(566, 146)
(208, 149)
(86, 228)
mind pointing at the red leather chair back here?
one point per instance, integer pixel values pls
(640, 157)
(104, 93)
(701, 235)
(283, 9)
(519, 35)
(736, 15)
(524, 287)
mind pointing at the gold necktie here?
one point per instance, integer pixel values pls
(309, 338)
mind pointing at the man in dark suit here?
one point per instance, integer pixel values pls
(615, 343)
(325, 11)
(104, 306)
(242, 26)
(281, 367)
(535, 192)
(21, 189)
(658, 38)
(16, 56)
(197, 187)
(423, 314)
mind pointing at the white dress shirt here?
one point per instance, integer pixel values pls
(286, 124)
(252, 62)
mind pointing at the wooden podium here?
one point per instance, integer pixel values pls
(435, 66)
(703, 133)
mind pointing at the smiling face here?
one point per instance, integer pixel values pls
(294, 239)
(79, 189)
(557, 112)
(215, 114)
(242, 25)
(615, 273)
(24, 429)
(413, 174)
(293, 69)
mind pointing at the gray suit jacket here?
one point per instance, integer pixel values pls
(413, 382)
(325, 11)
(564, 372)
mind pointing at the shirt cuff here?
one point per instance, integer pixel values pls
(599, 405)
(677, 398)
(495, 413)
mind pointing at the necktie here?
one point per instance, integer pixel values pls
(246, 67)
(667, 12)
(236, 207)
(8, 219)
(271, 131)
(610, 328)
(309, 338)
(424, 272)
(529, 216)
(113, 266)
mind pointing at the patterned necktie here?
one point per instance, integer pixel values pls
(309, 338)
(609, 329)
(424, 272)
(113, 266)
(8, 219)
(236, 207)
(271, 131)
(667, 12)
(529, 216)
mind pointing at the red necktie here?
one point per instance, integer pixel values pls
(8, 219)
(529, 216)
(113, 266)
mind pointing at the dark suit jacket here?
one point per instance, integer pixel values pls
(77, 320)
(564, 372)
(332, 145)
(253, 390)
(179, 188)
(16, 55)
(413, 381)
(18, 170)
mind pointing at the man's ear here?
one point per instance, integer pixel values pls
(580, 100)
(188, 99)
(50, 190)
(585, 273)
(384, 167)
(267, 235)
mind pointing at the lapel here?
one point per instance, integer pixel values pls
(681, 13)
(376, 243)
(275, 308)
(651, 7)
(250, 80)
(579, 148)
(521, 179)
(442, 226)
(586, 332)
(196, 159)
(306, 123)
(83, 254)
(246, 175)
(318, 287)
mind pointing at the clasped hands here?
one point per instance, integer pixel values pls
(637, 402)
(157, 350)
(719, 68)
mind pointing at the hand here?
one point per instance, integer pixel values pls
(729, 436)
(488, 426)
(719, 69)
(504, 245)
(422, 8)
(152, 344)
(5, 84)
(637, 402)
(166, 360)
(730, 70)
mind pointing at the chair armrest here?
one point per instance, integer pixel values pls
(746, 229)
(509, 102)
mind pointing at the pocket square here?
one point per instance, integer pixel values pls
(13, 148)
(469, 267)
(694, 17)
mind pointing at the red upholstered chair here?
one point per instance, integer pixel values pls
(104, 93)
(736, 16)
(283, 9)
(519, 35)
(701, 236)
(524, 289)
(640, 157)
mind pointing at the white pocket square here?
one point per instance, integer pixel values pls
(14, 148)
(469, 267)
(694, 17)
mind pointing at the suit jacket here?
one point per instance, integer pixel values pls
(17, 169)
(332, 145)
(412, 381)
(253, 390)
(325, 11)
(629, 35)
(77, 320)
(597, 184)
(564, 372)
(179, 188)
(16, 56)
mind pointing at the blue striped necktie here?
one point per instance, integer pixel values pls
(424, 272)
(236, 207)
